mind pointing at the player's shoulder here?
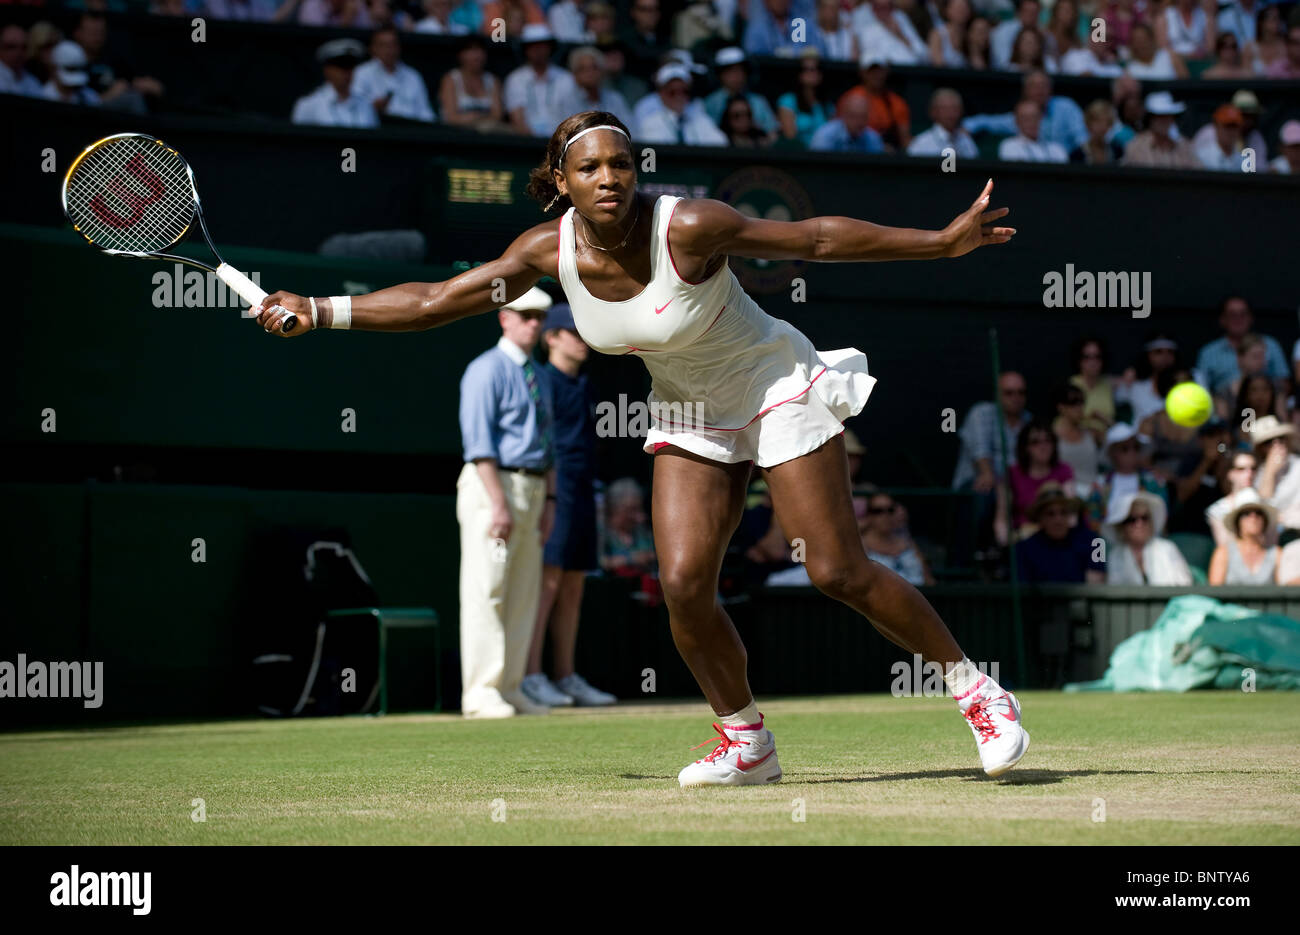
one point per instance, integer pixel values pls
(539, 246)
(694, 218)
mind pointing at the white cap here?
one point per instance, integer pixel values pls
(731, 55)
(1122, 432)
(672, 70)
(70, 63)
(534, 300)
(536, 32)
(1162, 102)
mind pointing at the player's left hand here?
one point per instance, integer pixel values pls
(974, 228)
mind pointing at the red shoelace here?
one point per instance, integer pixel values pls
(726, 744)
(980, 720)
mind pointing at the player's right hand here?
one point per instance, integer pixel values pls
(273, 321)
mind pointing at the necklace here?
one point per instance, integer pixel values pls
(635, 218)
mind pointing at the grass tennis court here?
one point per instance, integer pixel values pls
(1202, 768)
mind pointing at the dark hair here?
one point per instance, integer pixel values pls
(1022, 443)
(1143, 365)
(541, 180)
(1167, 379)
(1076, 350)
(724, 120)
(1243, 393)
(1066, 391)
(470, 42)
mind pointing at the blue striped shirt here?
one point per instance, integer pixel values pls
(498, 418)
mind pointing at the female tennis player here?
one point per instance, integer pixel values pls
(649, 276)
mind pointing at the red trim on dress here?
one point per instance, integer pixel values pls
(667, 228)
(714, 428)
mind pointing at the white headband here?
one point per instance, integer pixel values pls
(580, 134)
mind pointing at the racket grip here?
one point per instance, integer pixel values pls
(252, 293)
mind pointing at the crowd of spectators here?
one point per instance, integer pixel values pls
(638, 60)
(1109, 484)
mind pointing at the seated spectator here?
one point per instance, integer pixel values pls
(986, 438)
(771, 28)
(1098, 149)
(1288, 163)
(1089, 361)
(1288, 67)
(111, 67)
(1148, 62)
(1004, 34)
(802, 111)
(946, 133)
(888, 35)
(1237, 19)
(1136, 554)
(1062, 30)
(349, 14)
(643, 39)
(1247, 104)
(679, 119)
(70, 79)
(567, 22)
(439, 20)
(947, 39)
(738, 124)
(1278, 477)
(41, 40)
(469, 95)
(1038, 461)
(383, 15)
(1269, 47)
(14, 76)
(1121, 17)
(837, 34)
(517, 15)
(1156, 147)
(1221, 152)
(1030, 52)
(617, 77)
(1247, 557)
(887, 112)
(534, 91)
(733, 75)
(978, 47)
(1061, 551)
(848, 133)
(1075, 444)
(1171, 443)
(1126, 475)
(333, 104)
(1026, 146)
(392, 87)
(1126, 95)
(1255, 392)
(589, 90)
(1091, 56)
(1228, 60)
(1187, 30)
(1200, 479)
(627, 544)
(1218, 360)
(887, 540)
(1141, 387)
(1061, 123)
(1238, 485)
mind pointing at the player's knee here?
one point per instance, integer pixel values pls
(837, 578)
(685, 585)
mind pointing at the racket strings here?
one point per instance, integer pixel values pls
(131, 194)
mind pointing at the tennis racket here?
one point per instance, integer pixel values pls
(133, 195)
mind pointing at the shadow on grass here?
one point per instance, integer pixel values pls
(1020, 777)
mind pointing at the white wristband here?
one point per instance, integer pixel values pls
(315, 315)
(342, 311)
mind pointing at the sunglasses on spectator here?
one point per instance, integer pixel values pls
(877, 510)
(1090, 355)
(1127, 446)
(1137, 518)
(1013, 392)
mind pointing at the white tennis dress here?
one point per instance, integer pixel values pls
(758, 390)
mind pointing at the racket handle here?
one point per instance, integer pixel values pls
(252, 293)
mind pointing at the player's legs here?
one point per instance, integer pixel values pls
(550, 589)
(564, 622)
(696, 506)
(812, 498)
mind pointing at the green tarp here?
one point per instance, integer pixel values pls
(1199, 642)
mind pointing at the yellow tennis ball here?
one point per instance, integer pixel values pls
(1188, 404)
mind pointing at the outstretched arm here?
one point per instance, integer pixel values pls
(714, 227)
(416, 306)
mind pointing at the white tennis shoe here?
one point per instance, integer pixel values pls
(994, 719)
(741, 758)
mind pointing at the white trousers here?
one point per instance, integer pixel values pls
(500, 587)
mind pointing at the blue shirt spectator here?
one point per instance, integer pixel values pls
(837, 136)
(979, 433)
(1217, 361)
(770, 29)
(498, 418)
(806, 122)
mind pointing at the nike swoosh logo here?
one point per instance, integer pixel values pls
(1011, 711)
(660, 309)
(746, 767)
